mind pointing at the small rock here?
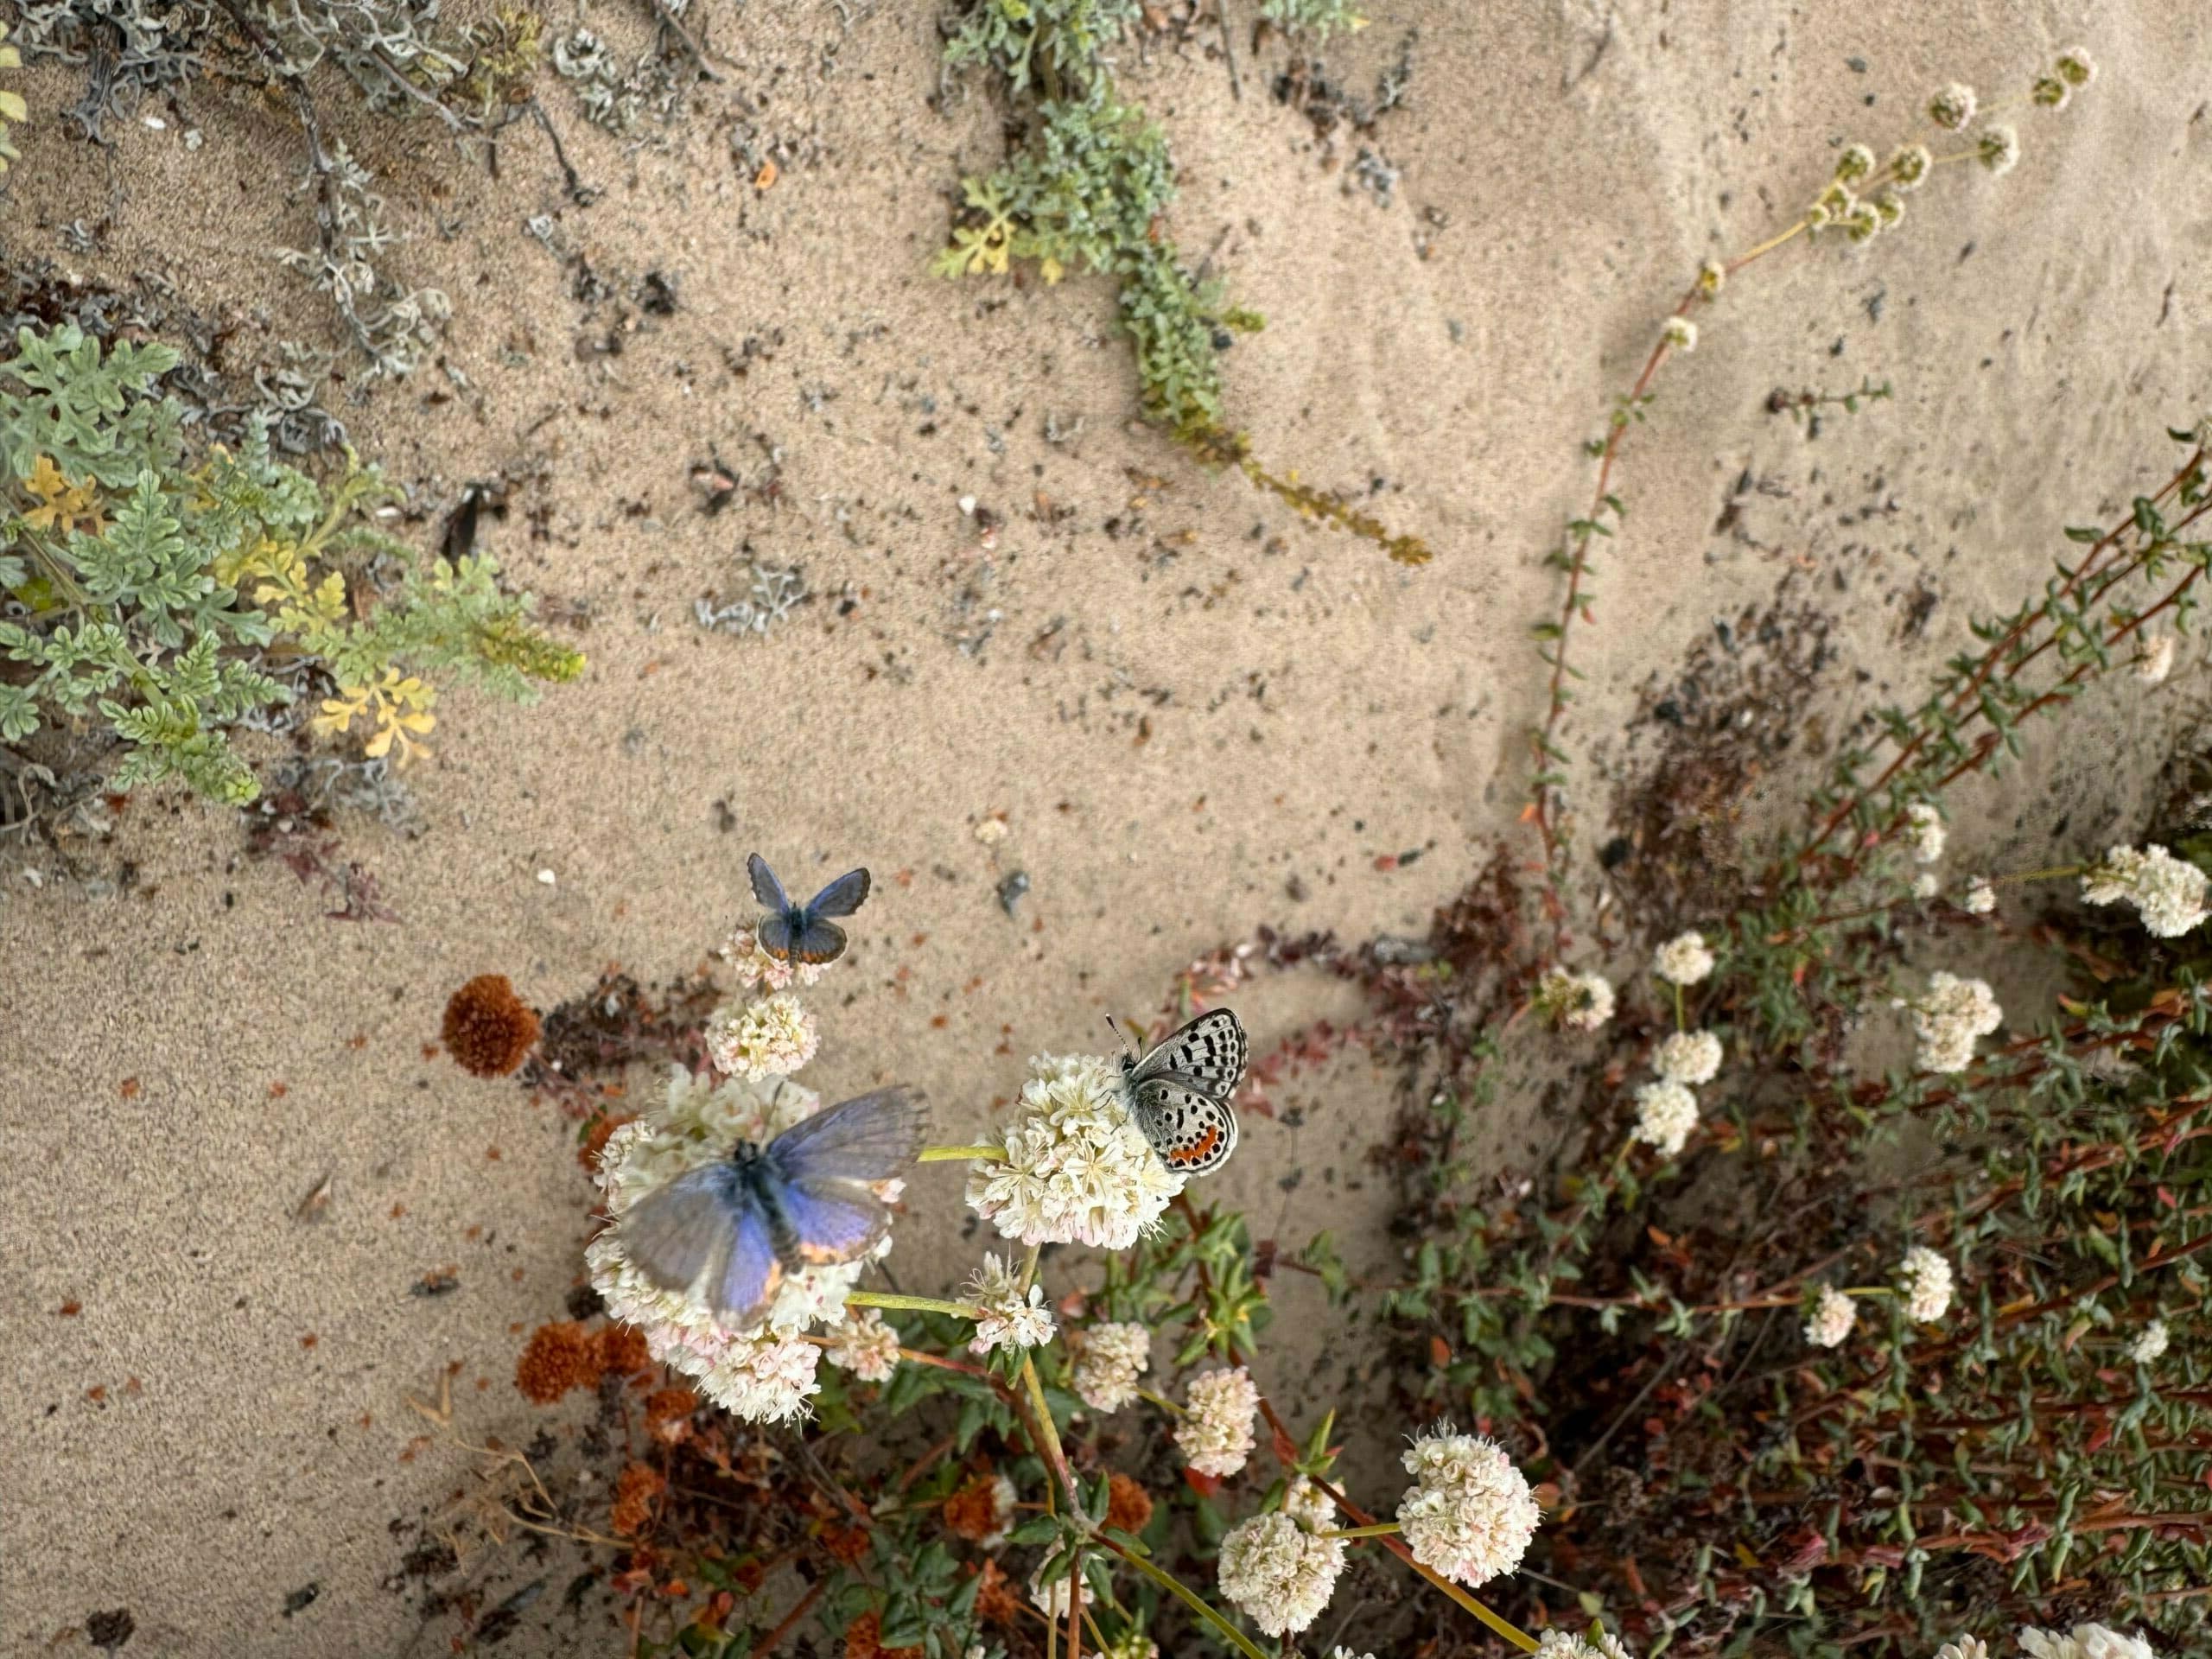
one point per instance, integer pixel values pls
(547, 878)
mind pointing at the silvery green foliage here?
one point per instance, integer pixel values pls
(127, 48)
(1318, 18)
(394, 325)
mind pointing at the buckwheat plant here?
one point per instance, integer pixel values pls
(1864, 199)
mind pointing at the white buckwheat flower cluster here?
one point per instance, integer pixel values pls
(1278, 1574)
(766, 1371)
(1683, 960)
(1468, 1514)
(2157, 659)
(1566, 1644)
(865, 1344)
(1924, 831)
(1947, 1017)
(1666, 1112)
(1834, 1314)
(1925, 1279)
(1108, 1359)
(1690, 1057)
(769, 1037)
(2168, 893)
(1577, 1001)
(1952, 107)
(1980, 898)
(1680, 333)
(1214, 1431)
(2150, 1343)
(1077, 1170)
(1967, 1647)
(746, 956)
(1010, 1317)
(2085, 1641)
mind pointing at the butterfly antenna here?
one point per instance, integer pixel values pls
(1113, 1026)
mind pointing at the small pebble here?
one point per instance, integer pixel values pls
(967, 506)
(548, 877)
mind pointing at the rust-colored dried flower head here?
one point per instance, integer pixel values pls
(1129, 1506)
(996, 1603)
(622, 1350)
(488, 1030)
(668, 1414)
(864, 1640)
(559, 1357)
(634, 1499)
(846, 1544)
(977, 1509)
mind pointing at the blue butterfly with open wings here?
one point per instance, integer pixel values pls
(734, 1228)
(805, 933)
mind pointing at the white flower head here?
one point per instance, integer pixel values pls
(2168, 893)
(1853, 164)
(1214, 1431)
(1980, 898)
(1468, 1514)
(1889, 208)
(1924, 832)
(1077, 1170)
(1925, 1279)
(754, 963)
(1952, 107)
(2157, 660)
(1578, 1002)
(1834, 1314)
(1307, 1503)
(1666, 1112)
(1711, 277)
(1999, 151)
(1947, 1017)
(1680, 333)
(1556, 1644)
(1864, 221)
(1683, 960)
(1108, 1359)
(1967, 1647)
(1689, 1056)
(865, 1344)
(1925, 886)
(2150, 1343)
(1011, 1318)
(1277, 1574)
(1909, 165)
(1055, 1597)
(2084, 1642)
(2076, 67)
(1346, 1652)
(769, 1037)
(765, 1371)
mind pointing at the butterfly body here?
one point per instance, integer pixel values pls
(731, 1230)
(804, 933)
(1180, 1092)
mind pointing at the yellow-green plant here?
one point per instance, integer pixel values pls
(159, 593)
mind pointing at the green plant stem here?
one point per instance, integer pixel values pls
(1191, 1599)
(1380, 1529)
(1048, 1432)
(912, 1304)
(961, 1155)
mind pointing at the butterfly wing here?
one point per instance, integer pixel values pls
(871, 1137)
(830, 1219)
(765, 887)
(816, 942)
(1207, 1056)
(705, 1224)
(842, 897)
(1193, 1132)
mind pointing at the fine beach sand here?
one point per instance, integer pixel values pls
(1193, 714)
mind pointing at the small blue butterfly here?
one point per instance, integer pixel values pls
(803, 1200)
(804, 932)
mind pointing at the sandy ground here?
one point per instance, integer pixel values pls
(1181, 701)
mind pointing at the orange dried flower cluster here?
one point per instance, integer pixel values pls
(1129, 1506)
(847, 1544)
(559, 1357)
(634, 1499)
(864, 1640)
(622, 1350)
(668, 1414)
(596, 1140)
(488, 1030)
(973, 1511)
(994, 1602)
